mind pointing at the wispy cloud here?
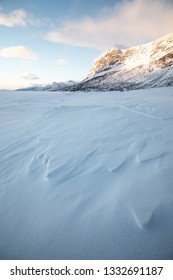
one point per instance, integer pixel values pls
(61, 62)
(18, 52)
(15, 18)
(126, 24)
(21, 18)
(29, 76)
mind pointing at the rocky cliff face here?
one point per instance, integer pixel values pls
(145, 66)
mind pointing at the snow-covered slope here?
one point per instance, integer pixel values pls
(145, 66)
(36, 88)
(56, 86)
(86, 176)
(62, 85)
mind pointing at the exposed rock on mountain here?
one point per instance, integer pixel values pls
(146, 66)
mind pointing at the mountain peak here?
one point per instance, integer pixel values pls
(107, 58)
(147, 65)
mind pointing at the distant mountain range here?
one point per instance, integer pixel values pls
(146, 66)
(61, 86)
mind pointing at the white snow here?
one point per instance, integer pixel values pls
(86, 175)
(141, 57)
(145, 66)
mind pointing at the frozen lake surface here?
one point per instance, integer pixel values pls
(86, 175)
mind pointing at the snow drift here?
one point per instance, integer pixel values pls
(86, 176)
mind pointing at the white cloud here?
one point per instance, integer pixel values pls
(15, 18)
(61, 62)
(18, 52)
(20, 17)
(128, 23)
(29, 76)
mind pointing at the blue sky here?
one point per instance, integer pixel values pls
(46, 41)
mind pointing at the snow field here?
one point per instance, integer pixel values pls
(86, 175)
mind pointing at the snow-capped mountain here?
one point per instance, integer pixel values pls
(56, 86)
(62, 85)
(146, 66)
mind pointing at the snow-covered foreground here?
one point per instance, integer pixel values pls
(86, 176)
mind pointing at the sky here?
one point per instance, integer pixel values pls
(46, 41)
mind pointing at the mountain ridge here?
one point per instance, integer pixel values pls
(145, 66)
(55, 86)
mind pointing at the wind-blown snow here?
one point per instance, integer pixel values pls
(86, 176)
